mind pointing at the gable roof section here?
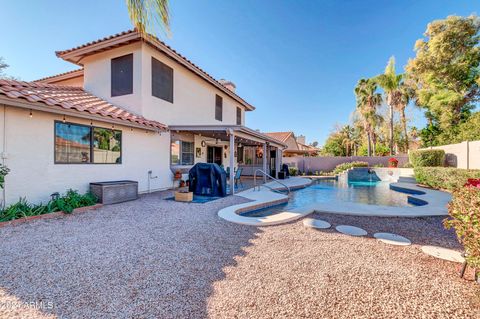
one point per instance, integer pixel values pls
(280, 136)
(75, 55)
(71, 98)
(62, 76)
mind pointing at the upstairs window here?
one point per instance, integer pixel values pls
(239, 116)
(122, 75)
(162, 81)
(218, 108)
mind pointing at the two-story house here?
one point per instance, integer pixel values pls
(136, 110)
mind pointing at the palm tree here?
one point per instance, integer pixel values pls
(368, 100)
(407, 95)
(391, 83)
(145, 14)
(347, 139)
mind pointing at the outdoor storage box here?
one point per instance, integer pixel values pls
(115, 191)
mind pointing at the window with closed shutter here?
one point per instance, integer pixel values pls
(239, 116)
(218, 108)
(162, 81)
(122, 75)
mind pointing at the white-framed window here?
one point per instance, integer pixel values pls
(182, 153)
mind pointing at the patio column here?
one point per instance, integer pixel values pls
(278, 158)
(265, 162)
(232, 162)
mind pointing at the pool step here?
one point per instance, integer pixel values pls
(403, 179)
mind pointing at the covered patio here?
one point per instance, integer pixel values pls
(234, 147)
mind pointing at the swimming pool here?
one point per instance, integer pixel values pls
(363, 192)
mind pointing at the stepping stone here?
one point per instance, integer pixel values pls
(316, 223)
(351, 230)
(392, 239)
(443, 253)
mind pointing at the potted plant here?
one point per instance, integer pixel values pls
(392, 163)
(178, 175)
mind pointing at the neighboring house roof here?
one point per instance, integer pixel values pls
(280, 136)
(75, 55)
(308, 148)
(61, 77)
(71, 98)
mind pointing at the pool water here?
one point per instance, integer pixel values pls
(364, 192)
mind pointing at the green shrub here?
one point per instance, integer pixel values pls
(427, 158)
(67, 203)
(448, 178)
(3, 172)
(292, 171)
(72, 199)
(407, 165)
(464, 212)
(344, 166)
(23, 209)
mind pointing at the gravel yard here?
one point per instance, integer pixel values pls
(154, 258)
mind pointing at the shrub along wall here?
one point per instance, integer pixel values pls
(427, 158)
(343, 167)
(66, 203)
(464, 211)
(448, 178)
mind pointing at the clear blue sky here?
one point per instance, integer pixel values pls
(296, 61)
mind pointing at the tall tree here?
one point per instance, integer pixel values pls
(446, 75)
(368, 100)
(146, 14)
(347, 133)
(3, 66)
(391, 83)
(407, 94)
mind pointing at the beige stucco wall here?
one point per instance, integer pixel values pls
(76, 81)
(30, 156)
(461, 155)
(97, 77)
(193, 98)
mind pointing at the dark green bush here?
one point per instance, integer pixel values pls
(72, 199)
(464, 211)
(66, 203)
(448, 178)
(292, 171)
(344, 166)
(427, 158)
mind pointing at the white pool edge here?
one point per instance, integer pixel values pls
(263, 198)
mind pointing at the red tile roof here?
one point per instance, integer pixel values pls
(279, 136)
(131, 36)
(61, 76)
(71, 98)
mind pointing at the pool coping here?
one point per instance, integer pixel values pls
(434, 204)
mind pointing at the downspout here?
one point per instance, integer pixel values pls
(4, 151)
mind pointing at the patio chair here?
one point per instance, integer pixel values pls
(237, 176)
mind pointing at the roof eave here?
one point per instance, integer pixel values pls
(42, 107)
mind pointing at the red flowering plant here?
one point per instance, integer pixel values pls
(464, 210)
(473, 182)
(392, 162)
